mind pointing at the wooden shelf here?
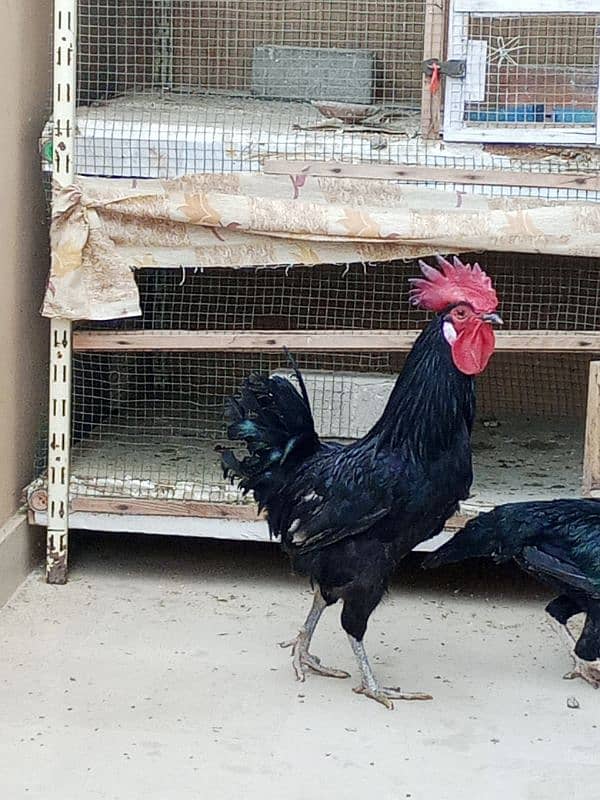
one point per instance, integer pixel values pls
(317, 341)
(166, 508)
(189, 508)
(408, 174)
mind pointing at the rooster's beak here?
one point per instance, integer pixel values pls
(493, 319)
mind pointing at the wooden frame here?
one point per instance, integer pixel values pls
(434, 46)
(166, 508)
(315, 341)
(591, 458)
(219, 529)
(191, 508)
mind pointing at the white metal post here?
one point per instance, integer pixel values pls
(59, 423)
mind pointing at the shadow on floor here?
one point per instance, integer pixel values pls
(184, 558)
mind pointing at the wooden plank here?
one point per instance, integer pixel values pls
(478, 177)
(315, 341)
(591, 457)
(458, 521)
(548, 341)
(225, 529)
(491, 7)
(433, 47)
(165, 508)
(190, 508)
(558, 136)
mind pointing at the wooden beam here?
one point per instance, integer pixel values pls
(315, 341)
(400, 172)
(192, 508)
(165, 508)
(591, 457)
(433, 47)
(515, 7)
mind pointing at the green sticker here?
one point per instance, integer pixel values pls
(48, 151)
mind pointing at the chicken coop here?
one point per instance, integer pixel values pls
(229, 178)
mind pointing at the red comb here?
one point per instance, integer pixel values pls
(453, 283)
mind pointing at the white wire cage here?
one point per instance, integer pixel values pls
(170, 88)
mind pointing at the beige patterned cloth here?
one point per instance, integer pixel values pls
(104, 228)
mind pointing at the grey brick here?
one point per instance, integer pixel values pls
(313, 73)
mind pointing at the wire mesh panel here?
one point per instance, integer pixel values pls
(537, 293)
(172, 87)
(194, 46)
(166, 87)
(146, 426)
(533, 72)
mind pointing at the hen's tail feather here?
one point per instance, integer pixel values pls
(276, 425)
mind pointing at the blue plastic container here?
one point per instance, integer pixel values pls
(572, 115)
(530, 112)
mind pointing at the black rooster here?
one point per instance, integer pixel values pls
(346, 515)
(558, 541)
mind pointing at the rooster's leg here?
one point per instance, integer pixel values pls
(563, 630)
(589, 671)
(302, 660)
(369, 685)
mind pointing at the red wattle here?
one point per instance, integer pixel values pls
(473, 347)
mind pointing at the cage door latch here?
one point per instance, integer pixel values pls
(454, 68)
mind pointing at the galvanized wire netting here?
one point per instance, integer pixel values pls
(167, 87)
(187, 46)
(537, 293)
(146, 425)
(533, 70)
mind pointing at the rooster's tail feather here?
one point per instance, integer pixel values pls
(276, 424)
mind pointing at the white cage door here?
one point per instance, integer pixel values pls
(532, 72)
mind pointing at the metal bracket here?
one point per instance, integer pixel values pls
(59, 421)
(454, 68)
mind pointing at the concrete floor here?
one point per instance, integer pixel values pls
(154, 675)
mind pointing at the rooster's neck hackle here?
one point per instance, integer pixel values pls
(431, 400)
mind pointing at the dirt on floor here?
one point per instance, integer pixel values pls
(155, 675)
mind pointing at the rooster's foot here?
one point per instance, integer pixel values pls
(589, 671)
(369, 685)
(387, 694)
(302, 660)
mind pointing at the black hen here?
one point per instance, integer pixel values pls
(346, 515)
(558, 541)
